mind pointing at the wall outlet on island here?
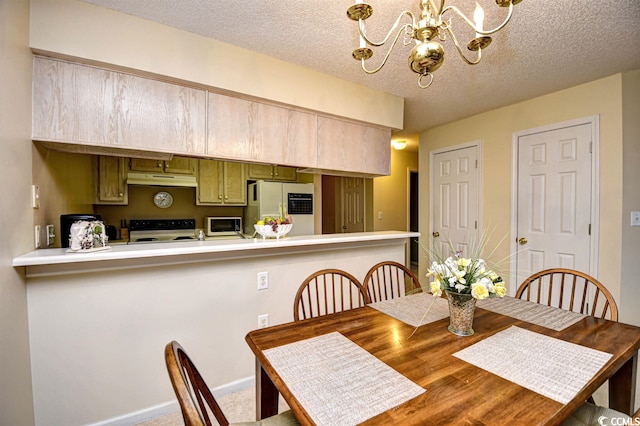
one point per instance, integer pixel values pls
(263, 280)
(263, 321)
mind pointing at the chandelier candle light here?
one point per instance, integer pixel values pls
(428, 54)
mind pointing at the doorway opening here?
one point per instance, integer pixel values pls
(414, 248)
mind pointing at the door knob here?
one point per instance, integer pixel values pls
(436, 234)
(522, 241)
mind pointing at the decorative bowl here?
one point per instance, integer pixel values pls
(267, 231)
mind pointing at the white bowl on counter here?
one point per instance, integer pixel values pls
(267, 231)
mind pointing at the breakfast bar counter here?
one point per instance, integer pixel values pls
(110, 313)
(61, 261)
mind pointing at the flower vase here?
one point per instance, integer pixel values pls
(461, 309)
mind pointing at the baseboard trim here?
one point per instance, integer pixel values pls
(169, 407)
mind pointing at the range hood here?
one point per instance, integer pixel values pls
(161, 179)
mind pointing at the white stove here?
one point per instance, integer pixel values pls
(161, 230)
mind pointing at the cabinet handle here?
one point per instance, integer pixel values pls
(120, 194)
(219, 197)
(226, 197)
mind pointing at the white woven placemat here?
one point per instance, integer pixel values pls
(534, 313)
(546, 365)
(412, 309)
(337, 382)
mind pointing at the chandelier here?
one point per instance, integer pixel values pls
(427, 55)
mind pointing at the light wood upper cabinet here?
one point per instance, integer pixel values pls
(177, 165)
(100, 111)
(221, 183)
(111, 180)
(269, 172)
(248, 130)
(353, 147)
(80, 104)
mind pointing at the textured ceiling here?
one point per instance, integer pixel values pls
(548, 45)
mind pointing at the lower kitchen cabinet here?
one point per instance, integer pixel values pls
(111, 180)
(221, 183)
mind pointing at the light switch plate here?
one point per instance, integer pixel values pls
(635, 218)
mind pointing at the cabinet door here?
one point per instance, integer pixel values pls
(260, 171)
(112, 185)
(285, 173)
(146, 165)
(246, 130)
(210, 180)
(229, 130)
(181, 165)
(353, 147)
(268, 172)
(235, 184)
(81, 104)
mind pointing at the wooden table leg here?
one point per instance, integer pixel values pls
(622, 387)
(266, 394)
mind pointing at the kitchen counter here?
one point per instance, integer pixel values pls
(45, 262)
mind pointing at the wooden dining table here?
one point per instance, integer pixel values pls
(455, 391)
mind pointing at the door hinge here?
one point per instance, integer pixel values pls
(476, 224)
(590, 147)
(589, 229)
(476, 164)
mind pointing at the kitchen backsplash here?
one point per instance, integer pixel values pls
(141, 207)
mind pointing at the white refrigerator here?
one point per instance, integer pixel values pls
(279, 199)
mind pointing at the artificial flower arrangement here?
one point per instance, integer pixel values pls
(465, 276)
(465, 279)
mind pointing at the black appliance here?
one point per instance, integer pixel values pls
(161, 230)
(66, 220)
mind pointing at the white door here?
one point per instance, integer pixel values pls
(454, 189)
(554, 200)
(352, 204)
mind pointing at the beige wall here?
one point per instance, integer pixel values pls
(495, 129)
(16, 229)
(630, 295)
(80, 30)
(391, 193)
(98, 339)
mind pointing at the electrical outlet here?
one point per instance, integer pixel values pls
(263, 280)
(263, 321)
(379, 215)
(635, 218)
(37, 236)
(51, 236)
(35, 196)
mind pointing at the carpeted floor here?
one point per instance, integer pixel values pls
(237, 407)
(241, 407)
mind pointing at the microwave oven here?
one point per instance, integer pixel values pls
(221, 226)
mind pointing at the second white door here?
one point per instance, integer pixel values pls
(554, 200)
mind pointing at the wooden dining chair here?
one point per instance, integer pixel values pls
(569, 289)
(197, 403)
(326, 292)
(388, 280)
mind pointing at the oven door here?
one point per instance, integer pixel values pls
(221, 226)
